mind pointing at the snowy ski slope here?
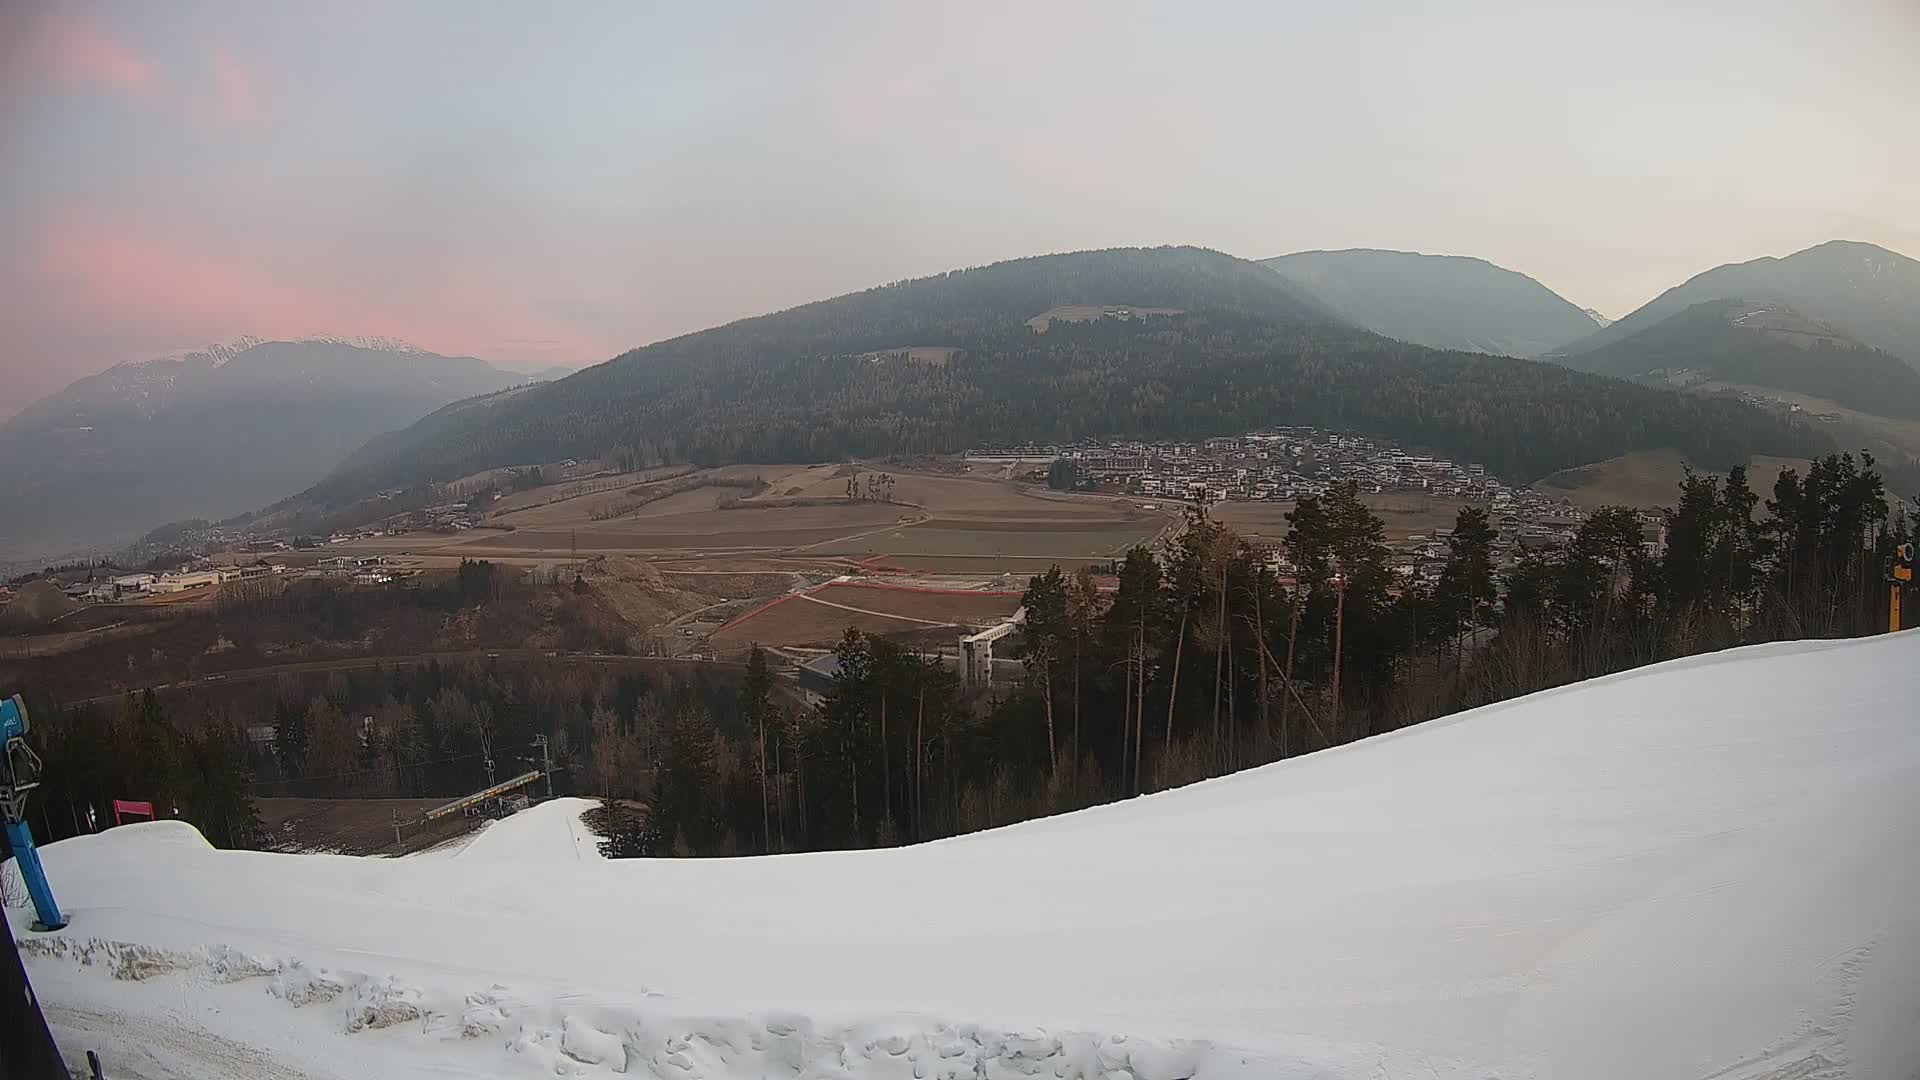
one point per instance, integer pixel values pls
(1705, 869)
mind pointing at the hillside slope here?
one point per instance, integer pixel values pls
(1168, 342)
(1768, 344)
(1700, 869)
(1440, 301)
(209, 434)
(1866, 292)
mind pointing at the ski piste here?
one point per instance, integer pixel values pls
(1702, 868)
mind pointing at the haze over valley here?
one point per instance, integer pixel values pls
(1101, 541)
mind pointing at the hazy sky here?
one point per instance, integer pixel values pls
(557, 183)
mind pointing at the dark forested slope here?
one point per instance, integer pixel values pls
(1868, 293)
(1233, 346)
(1767, 344)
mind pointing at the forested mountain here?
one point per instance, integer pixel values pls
(1244, 350)
(209, 434)
(1867, 293)
(1440, 301)
(1764, 344)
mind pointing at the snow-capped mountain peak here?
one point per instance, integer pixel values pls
(373, 342)
(1598, 319)
(212, 356)
(223, 353)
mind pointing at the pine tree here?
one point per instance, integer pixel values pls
(756, 709)
(1048, 631)
(290, 736)
(1467, 587)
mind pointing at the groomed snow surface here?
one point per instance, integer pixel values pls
(1709, 868)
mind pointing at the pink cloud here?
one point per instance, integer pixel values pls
(236, 91)
(81, 52)
(176, 293)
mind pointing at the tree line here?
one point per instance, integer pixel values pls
(424, 730)
(1211, 656)
(1211, 659)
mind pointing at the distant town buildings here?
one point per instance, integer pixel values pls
(1285, 464)
(185, 579)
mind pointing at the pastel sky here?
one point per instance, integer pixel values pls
(539, 183)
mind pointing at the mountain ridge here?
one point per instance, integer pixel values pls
(1163, 342)
(1767, 344)
(208, 433)
(1438, 301)
(1868, 292)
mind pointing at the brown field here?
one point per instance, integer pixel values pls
(1021, 566)
(1647, 479)
(574, 498)
(576, 502)
(1062, 543)
(1403, 515)
(950, 495)
(351, 826)
(821, 617)
(1902, 435)
(966, 607)
(800, 516)
(682, 563)
(16, 647)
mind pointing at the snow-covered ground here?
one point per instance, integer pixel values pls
(1706, 869)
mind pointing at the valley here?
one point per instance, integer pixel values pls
(959, 542)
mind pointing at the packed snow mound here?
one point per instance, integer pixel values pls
(549, 832)
(1705, 868)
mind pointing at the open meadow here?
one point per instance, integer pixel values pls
(683, 554)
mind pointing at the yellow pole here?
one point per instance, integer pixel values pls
(1902, 573)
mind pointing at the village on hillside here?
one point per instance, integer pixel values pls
(1284, 464)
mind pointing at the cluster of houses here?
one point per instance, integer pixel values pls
(1283, 464)
(1288, 463)
(359, 569)
(186, 579)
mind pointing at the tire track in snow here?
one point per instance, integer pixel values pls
(147, 1047)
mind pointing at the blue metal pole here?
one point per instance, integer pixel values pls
(27, 858)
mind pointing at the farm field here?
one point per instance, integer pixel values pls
(980, 547)
(820, 616)
(574, 498)
(343, 826)
(801, 516)
(1647, 479)
(1403, 515)
(682, 563)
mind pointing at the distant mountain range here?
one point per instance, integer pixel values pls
(1765, 344)
(1865, 292)
(208, 434)
(1440, 301)
(1839, 321)
(1163, 342)
(1147, 342)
